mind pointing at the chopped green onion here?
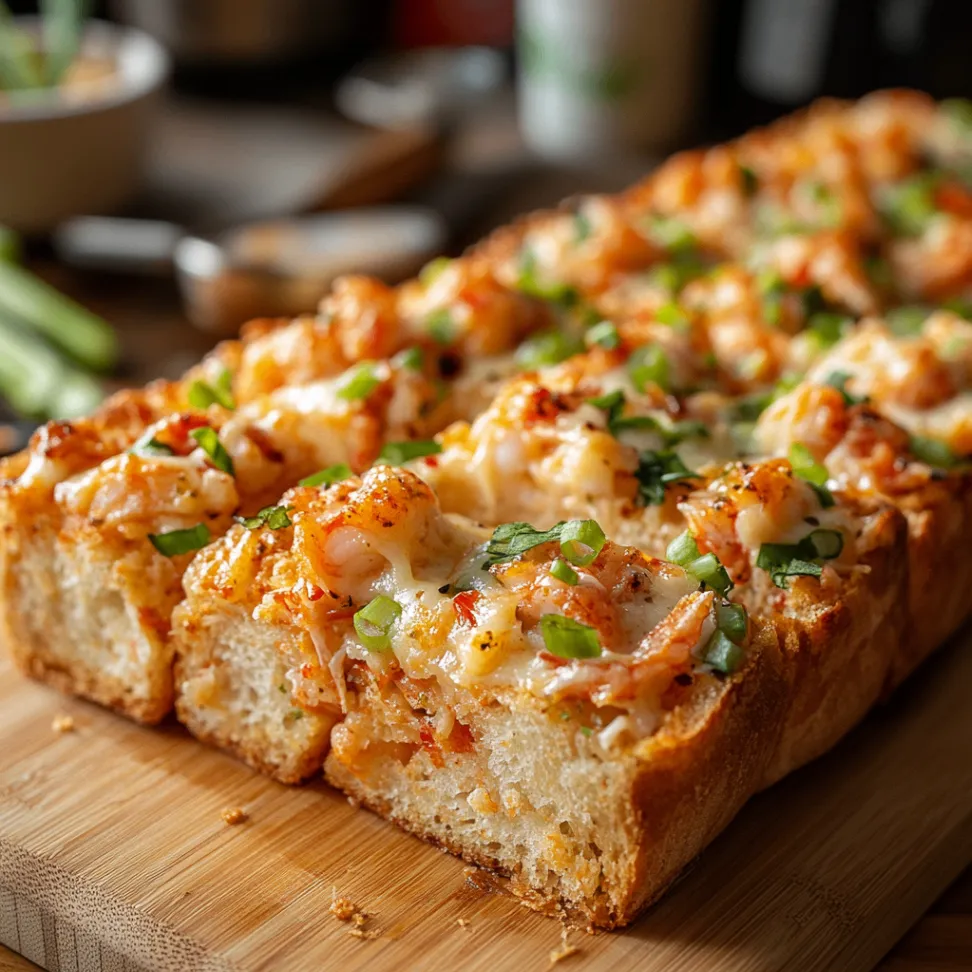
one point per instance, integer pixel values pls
(683, 549)
(672, 433)
(673, 275)
(529, 283)
(604, 334)
(813, 472)
(731, 621)
(148, 445)
(176, 542)
(828, 328)
(202, 394)
(671, 233)
(328, 476)
(656, 470)
(275, 517)
(398, 453)
(433, 270)
(547, 348)
(374, 622)
(723, 654)
(959, 305)
(784, 560)
(358, 382)
(932, 452)
(907, 321)
(909, 206)
(749, 181)
(411, 358)
(649, 364)
(772, 289)
(611, 402)
(710, 572)
(567, 638)
(564, 572)
(209, 442)
(672, 315)
(581, 541)
(84, 336)
(509, 540)
(582, 227)
(838, 380)
(441, 325)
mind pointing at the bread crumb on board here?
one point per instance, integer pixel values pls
(234, 816)
(63, 723)
(565, 951)
(344, 909)
(463, 922)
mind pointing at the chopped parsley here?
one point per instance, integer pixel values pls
(655, 471)
(785, 560)
(208, 441)
(274, 517)
(175, 542)
(202, 394)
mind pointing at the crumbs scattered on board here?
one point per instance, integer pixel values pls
(63, 723)
(463, 922)
(565, 951)
(234, 816)
(344, 909)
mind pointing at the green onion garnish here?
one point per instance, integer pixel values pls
(932, 452)
(398, 453)
(672, 315)
(275, 517)
(547, 348)
(907, 321)
(749, 181)
(772, 289)
(358, 382)
(148, 445)
(709, 571)
(374, 622)
(813, 472)
(656, 470)
(433, 270)
(176, 542)
(828, 328)
(567, 638)
(731, 621)
(649, 364)
(722, 653)
(909, 206)
(202, 394)
(528, 283)
(582, 227)
(784, 560)
(604, 334)
(209, 442)
(411, 358)
(671, 233)
(441, 325)
(328, 476)
(564, 572)
(838, 380)
(581, 541)
(683, 549)
(611, 402)
(672, 433)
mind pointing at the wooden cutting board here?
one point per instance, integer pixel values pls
(114, 856)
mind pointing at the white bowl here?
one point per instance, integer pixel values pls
(61, 158)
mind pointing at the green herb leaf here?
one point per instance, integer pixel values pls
(582, 226)
(529, 283)
(547, 348)
(657, 469)
(749, 181)
(328, 476)
(683, 549)
(209, 442)
(149, 446)
(709, 571)
(581, 541)
(731, 621)
(509, 540)
(649, 364)
(411, 358)
(567, 638)
(176, 542)
(398, 453)
(813, 472)
(433, 270)
(723, 654)
(838, 380)
(604, 334)
(274, 517)
(672, 315)
(828, 328)
(772, 289)
(932, 452)
(358, 382)
(909, 206)
(907, 321)
(785, 560)
(202, 394)
(671, 433)
(441, 325)
(671, 233)
(611, 402)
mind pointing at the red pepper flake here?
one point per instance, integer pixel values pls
(432, 461)
(314, 593)
(464, 603)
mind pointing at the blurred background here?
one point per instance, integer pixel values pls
(172, 168)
